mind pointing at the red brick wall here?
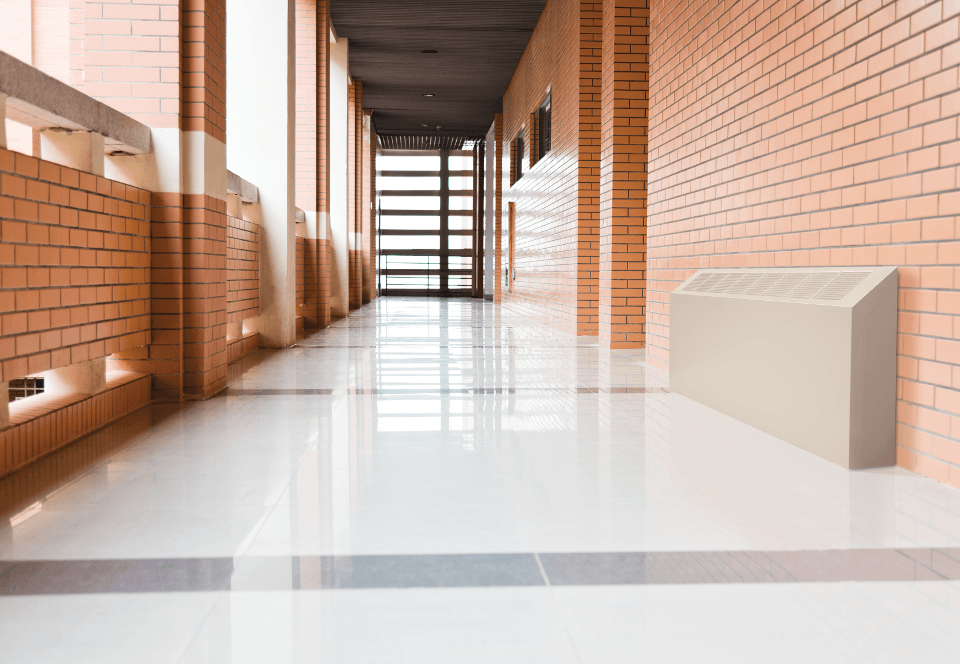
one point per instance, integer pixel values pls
(313, 151)
(623, 172)
(301, 274)
(74, 266)
(243, 269)
(368, 195)
(47, 422)
(499, 261)
(557, 199)
(802, 133)
(130, 57)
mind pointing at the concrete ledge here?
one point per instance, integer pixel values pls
(42, 424)
(237, 185)
(42, 102)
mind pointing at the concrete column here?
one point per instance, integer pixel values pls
(81, 378)
(3, 121)
(82, 150)
(261, 149)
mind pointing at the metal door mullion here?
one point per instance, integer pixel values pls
(444, 218)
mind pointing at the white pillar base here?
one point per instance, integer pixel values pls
(88, 377)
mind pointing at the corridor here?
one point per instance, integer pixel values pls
(443, 480)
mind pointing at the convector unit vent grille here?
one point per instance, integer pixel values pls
(819, 285)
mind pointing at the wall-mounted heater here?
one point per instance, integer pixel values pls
(808, 355)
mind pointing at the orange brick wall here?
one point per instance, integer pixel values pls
(129, 57)
(47, 422)
(368, 195)
(809, 133)
(306, 100)
(243, 269)
(499, 261)
(313, 150)
(557, 204)
(74, 266)
(623, 172)
(51, 38)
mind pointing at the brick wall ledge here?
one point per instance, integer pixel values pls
(237, 349)
(41, 101)
(45, 423)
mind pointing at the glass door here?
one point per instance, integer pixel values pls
(425, 211)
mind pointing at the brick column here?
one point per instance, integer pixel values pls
(498, 263)
(588, 201)
(368, 195)
(312, 79)
(623, 172)
(163, 63)
(354, 189)
(203, 66)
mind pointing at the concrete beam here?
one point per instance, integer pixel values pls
(237, 185)
(3, 121)
(42, 102)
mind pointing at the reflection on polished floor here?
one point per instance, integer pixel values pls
(446, 481)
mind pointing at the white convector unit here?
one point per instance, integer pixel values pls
(808, 355)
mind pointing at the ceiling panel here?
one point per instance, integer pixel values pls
(479, 44)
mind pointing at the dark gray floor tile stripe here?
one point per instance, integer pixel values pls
(278, 573)
(68, 577)
(420, 571)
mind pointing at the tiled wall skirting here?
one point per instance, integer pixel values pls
(47, 422)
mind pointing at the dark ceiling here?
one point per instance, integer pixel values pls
(479, 44)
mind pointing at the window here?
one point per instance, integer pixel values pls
(516, 159)
(543, 128)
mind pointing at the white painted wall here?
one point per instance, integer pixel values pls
(16, 39)
(339, 232)
(260, 146)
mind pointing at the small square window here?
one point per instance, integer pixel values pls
(543, 128)
(516, 159)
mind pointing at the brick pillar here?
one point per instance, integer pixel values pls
(368, 195)
(588, 202)
(623, 172)
(164, 64)
(203, 66)
(354, 190)
(312, 67)
(324, 248)
(498, 263)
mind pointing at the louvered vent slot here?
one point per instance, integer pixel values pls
(703, 285)
(698, 282)
(841, 286)
(787, 284)
(813, 285)
(766, 281)
(726, 282)
(746, 281)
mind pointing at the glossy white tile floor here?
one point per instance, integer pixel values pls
(388, 462)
